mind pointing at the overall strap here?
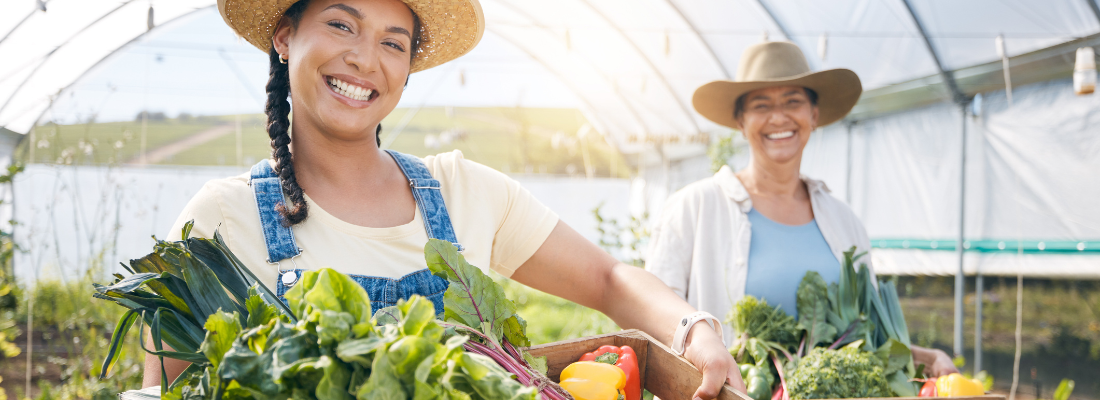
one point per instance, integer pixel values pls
(269, 195)
(437, 222)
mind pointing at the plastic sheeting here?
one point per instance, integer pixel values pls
(1031, 176)
(632, 64)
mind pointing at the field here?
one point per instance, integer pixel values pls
(510, 140)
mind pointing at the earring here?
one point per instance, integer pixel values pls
(281, 59)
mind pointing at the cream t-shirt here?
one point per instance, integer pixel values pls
(500, 224)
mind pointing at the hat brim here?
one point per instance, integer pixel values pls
(448, 28)
(838, 90)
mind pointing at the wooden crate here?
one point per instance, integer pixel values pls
(666, 375)
(663, 373)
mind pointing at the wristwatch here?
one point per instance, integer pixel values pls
(684, 326)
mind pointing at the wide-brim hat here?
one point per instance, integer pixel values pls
(771, 64)
(448, 28)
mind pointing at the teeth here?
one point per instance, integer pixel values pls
(349, 90)
(780, 135)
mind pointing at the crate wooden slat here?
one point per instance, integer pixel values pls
(666, 375)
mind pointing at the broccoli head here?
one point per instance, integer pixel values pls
(838, 374)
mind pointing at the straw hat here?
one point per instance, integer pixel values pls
(448, 28)
(771, 64)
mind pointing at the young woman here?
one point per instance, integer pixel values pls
(331, 198)
(758, 231)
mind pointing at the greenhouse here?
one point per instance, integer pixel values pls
(970, 158)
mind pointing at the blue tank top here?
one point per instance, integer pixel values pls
(780, 255)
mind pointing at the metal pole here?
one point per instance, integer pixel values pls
(960, 282)
(978, 280)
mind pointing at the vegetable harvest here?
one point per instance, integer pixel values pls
(856, 323)
(323, 344)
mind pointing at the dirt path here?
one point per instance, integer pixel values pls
(159, 154)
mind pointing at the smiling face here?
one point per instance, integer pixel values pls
(349, 61)
(777, 123)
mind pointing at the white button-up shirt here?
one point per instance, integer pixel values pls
(700, 245)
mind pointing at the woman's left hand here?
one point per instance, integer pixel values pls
(941, 366)
(937, 362)
(707, 352)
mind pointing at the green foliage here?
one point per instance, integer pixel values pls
(78, 332)
(472, 298)
(753, 318)
(838, 374)
(626, 240)
(722, 151)
(411, 358)
(813, 310)
(176, 288)
(551, 318)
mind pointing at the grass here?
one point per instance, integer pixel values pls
(508, 139)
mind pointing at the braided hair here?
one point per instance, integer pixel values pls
(278, 122)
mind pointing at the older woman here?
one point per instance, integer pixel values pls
(759, 230)
(332, 198)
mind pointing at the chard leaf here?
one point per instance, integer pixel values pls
(472, 298)
(537, 363)
(222, 329)
(490, 381)
(813, 310)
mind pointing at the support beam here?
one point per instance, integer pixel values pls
(1095, 9)
(660, 76)
(960, 246)
(948, 77)
(51, 53)
(594, 114)
(703, 41)
(16, 27)
(112, 53)
(535, 22)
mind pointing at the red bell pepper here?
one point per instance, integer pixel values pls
(626, 360)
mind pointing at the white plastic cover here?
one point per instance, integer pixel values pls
(632, 64)
(1031, 176)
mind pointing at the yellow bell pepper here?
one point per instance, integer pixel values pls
(956, 385)
(589, 380)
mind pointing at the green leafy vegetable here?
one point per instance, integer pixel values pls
(813, 310)
(245, 344)
(753, 318)
(838, 374)
(472, 298)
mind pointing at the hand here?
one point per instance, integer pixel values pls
(707, 352)
(941, 365)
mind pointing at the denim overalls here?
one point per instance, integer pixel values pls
(383, 292)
